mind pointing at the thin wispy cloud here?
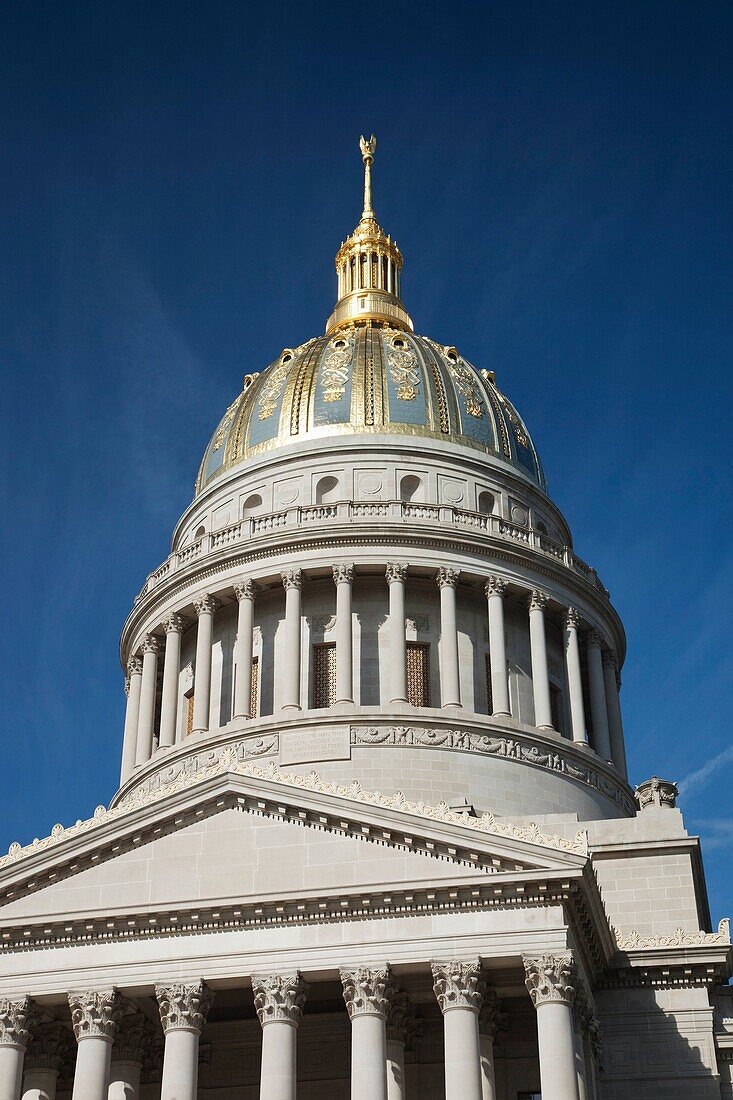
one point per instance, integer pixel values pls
(701, 775)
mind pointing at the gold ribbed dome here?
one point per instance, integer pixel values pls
(369, 374)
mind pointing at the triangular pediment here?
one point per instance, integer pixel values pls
(256, 837)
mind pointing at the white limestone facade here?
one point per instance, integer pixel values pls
(374, 835)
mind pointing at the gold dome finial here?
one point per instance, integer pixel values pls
(368, 266)
(368, 149)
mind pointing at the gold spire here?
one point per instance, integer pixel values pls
(368, 266)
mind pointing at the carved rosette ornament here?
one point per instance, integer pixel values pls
(279, 998)
(184, 1007)
(367, 991)
(205, 604)
(495, 586)
(292, 578)
(447, 577)
(343, 574)
(94, 1014)
(245, 589)
(395, 571)
(15, 1022)
(174, 624)
(550, 978)
(538, 600)
(457, 984)
(51, 1047)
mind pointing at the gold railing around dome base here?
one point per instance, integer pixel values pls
(346, 512)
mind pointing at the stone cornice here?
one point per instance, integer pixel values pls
(633, 941)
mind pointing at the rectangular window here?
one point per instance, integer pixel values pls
(189, 713)
(324, 675)
(254, 691)
(489, 689)
(418, 674)
(556, 707)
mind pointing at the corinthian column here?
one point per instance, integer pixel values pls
(396, 575)
(613, 707)
(397, 1023)
(279, 1000)
(450, 687)
(206, 607)
(489, 1023)
(599, 714)
(575, 680)
(131, 1046)
(183, 1012)
(292, 583)
(150, 647)
(245, 593)
(14, 1038)
(366, 993)
(94, 1019)
(133, 682)
(538, 645)
(457, 987)
(495, 589)
(549, 981)
(343, 576)
(174, 626)
(50, 1047)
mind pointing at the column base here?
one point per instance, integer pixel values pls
(292, 706)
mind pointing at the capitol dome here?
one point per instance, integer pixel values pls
(370, 378)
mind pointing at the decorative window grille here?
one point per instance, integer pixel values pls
(418, 674)
(189, 713)
(324, 675)
(555, 707)
(489, 689)
(254, 691)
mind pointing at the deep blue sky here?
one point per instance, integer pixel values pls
(174, 181)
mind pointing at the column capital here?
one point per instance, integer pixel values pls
(572, 618)
(134, 1038)
(135, 666)
(15, 1021)
(595, 639)
(343, 574)
(174, 624)
(367, 991)
(457, 984)
(94, 1014)
(206, 604)
(51, 1047)
(395, 571)
(150, 644)
(292, 578)
(495, 586)
(447, 577)
(244, 589)
(279, 998)
(491, 1019)
(609, 661)
(550, 978)
(398, 1017)
(184, 1007)
(537, 600)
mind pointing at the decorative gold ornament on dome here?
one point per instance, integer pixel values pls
(368, 267)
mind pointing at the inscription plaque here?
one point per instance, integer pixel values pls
(310, 746)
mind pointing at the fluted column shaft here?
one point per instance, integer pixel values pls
(132, 717)
(245, 592)
(171, 670)
(40, 1084)
(597, 689)
(279, 1000)
(450, 686)
(457, 988)
(94, 1018)
(396, 575)
(124, 1081)
(549, 982)
(366, 993)
(538, 646)
(183, 1011)
(205, 609)
(146, 717)
(292, 582)
(343, 576)
(575, 679)
(495, 588)
(613, 708)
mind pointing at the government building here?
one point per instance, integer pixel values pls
(374, 836)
